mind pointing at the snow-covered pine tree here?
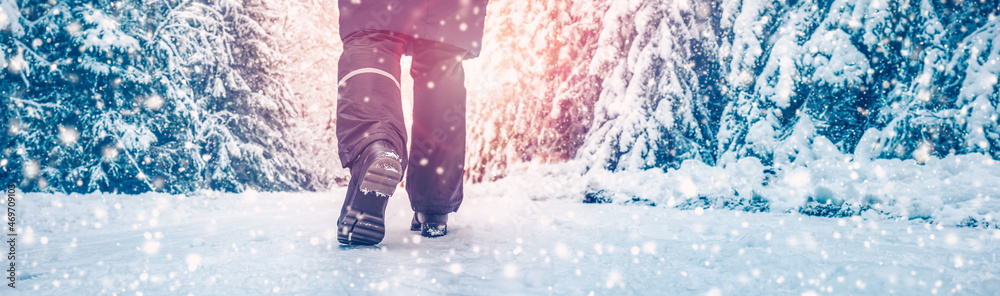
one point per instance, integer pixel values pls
(942, 98)
(978, 101)
(308, 36)
(760, 55)
(132, 96)
(813, 84)
(534, 93)
(75, 99)
(658, 106)
(248, 129)
(804, 79)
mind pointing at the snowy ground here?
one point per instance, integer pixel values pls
(502, 241)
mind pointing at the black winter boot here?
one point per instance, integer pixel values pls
(430, 225)
(374, 177)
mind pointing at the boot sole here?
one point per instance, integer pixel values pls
(433, 230)
(429, 229)
(364, 221)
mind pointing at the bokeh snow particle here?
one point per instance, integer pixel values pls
(193, 260)
(510, 270)
(154, 102)
(68, 135)
(455, 268)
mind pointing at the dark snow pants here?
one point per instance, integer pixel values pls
(369, 109)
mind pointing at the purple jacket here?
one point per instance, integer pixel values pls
(455, 22)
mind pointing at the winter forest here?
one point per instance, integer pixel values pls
(872, 124)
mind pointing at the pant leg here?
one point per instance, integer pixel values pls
(437, 153)
(369, 106)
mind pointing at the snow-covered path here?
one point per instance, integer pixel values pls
(285, 243)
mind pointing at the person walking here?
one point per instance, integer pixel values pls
(439, 35)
